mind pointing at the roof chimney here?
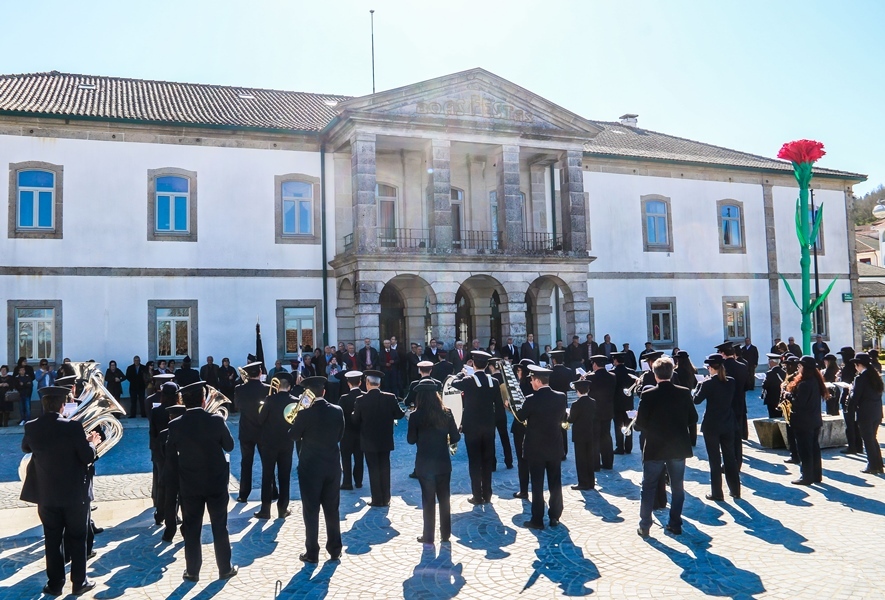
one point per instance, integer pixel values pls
(630, 120)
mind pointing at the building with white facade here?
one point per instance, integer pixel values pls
(162, 219)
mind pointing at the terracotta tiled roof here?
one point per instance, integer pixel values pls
(63, 94)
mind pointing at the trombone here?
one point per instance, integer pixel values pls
(628, 429)
(292, 409)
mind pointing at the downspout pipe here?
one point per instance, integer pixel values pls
(557, 329)
(324, 259)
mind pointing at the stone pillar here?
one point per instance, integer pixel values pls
(367, 312)
(771, 252)
(577, 312)
(481, 316)
(513, 321)
(439, 193)
(365, 210)
(546, 327)
(539, 198)
(510, 221)
(444, 329)
(571, 186)
(414, 325)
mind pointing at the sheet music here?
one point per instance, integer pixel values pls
(760, 376)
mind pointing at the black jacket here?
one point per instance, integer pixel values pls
(573, 354)
(582, 416)
(199, 441)
(544, 413)
(771, 387)
(136, 377)
(480, 394)
(587, 352)
(372, 359)
(114, 382)
(274, 427)
(411, 394)
(430, 355)
(61, 455)
(347, 401)
(624, 377)
(739, 372)
(319, 429)
(442, 370)
(187, 376)
(867, 400)
(630, 360)
(751, 355)
(248, 397)
(719, 416)
(432, 456)
(603, 386)
(374, 413)
(560, 378)
(805, 413)
(526, 351)
(210, 374)
(666, 413)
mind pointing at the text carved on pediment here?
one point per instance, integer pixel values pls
(475, 106)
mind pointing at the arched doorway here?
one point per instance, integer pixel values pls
(546, 300)
(463, 317)
(393, 315)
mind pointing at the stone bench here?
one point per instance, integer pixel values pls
(773, 432)
(769, 433)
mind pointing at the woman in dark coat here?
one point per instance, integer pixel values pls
(113, 380)
(831, 375)
(24, 383)
(685, 373)
(866, 393)
(433, 429)
(718, 428)
(7, 384)
(808, 390)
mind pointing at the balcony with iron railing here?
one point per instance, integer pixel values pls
(464, 242)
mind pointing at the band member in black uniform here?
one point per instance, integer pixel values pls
(740, 373)
(561, 378)
(791, 372)
(685, 373)
(185, 375)
(866, 392)
(276, 449)
(849, 407)
(585, 429)
(501, 415)
(351, 452)
(603, 388)
(56, 480)
(443, 368)
(623, 402)
(771, 387)
(248, 397)
(480, 393)
(808, 389)
(200, 441)
(166, 396)
(168, 482)
(319, 428)
(517, 429)
(374, 414)
(432, 427)
(425, 368)
(544, 412)
(718, 428)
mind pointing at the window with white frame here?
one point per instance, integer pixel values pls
(657, 229)
(661, 321)
(298, 329)
(35, 332)
(386, 196)
(35, 192)
(731, 226)
(173, 332)
(820, 320)
(457, 216)
(737, 321)
(819, 241)
(297, 208)
(172, 205)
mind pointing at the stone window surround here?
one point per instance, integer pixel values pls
(397, 209)
(171, 236)
(193, 349)
(732, 249)
(826, 314)
(746, 301)
(821, 251)
(316, 225)
(316, 305)
(673, 325)
(12, 335)
(646, 247)
(56, 233)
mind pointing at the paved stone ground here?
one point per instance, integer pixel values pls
(779, 541)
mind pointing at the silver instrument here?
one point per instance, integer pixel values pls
(216, 402)
(628, 429)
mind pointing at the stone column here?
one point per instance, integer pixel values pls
(510, 221)
(414, 325)
(439, 193)
(481, 316)
(771, 252)
(367, 312)
(513, 321)
(546, 333)
(365, 210)
(571, 185)
(577, 312)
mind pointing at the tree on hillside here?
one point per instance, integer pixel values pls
(874, 322)
(862, 213)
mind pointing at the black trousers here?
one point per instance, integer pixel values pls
(501, 426)
(606, 456)
(791, 441)
(738, 442)
(247, 457)
(279, 461)
(774, 412)
(136, 403)
(868, 430)
(720, 453)
(808, 446)
(351, 454)
(170, 509)
(192, 510)
(852, 431)
(65, 529)
(480, 461)
(584, 452)
(522, 465)
(323, 490)
(155, 487)
(623, 443)
(564, 443)
(553, 470)
(379, 476)
(435, 488)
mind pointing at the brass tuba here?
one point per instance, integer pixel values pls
(216, 403)
(304, 401)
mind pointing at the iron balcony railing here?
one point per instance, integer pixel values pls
(476, 240)
(542, 242)
(399, 237)
(483, 241)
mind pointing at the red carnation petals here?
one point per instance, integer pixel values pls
(802, 151)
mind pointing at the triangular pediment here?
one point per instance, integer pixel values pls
(474, 97)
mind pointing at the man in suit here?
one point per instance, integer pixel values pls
(582, 416)
(771, 387)
(135, 375)
(210, 372)
(603, 386)
(248, 397)
(625, 378)
(510, 351)
(186, 375)
(389, 360)
(629, 357)
(459, 356)
(480, 393)
(443, 368)
(319, 428)
(412, 361)
(750, 354)
(368, 356)
(544, 412)
(740, 373)
(57, 482)
(588, 348)
(666, 413)
(573, 356)
(517, 429)
(351, 452)
(793, 347)
(529, 349)
(374, 414)
(276, 448)
(349, 360)
(819, 349)
(431, 352)
(200, 441)
(561, 378)
(607, 346)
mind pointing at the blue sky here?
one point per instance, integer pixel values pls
(747, 75)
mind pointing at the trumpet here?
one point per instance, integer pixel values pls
(628, 429)
(630, 391)
(292, 409)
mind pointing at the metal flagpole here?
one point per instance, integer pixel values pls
(372, 16)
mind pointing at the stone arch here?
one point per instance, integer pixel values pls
(478, 292)
(344, 311)
(547, 299)
(418, 300)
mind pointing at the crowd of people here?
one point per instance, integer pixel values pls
(336, 411)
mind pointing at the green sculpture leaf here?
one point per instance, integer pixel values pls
(822, 297)
(790, 291)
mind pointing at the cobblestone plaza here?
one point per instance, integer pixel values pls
(779, 541)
